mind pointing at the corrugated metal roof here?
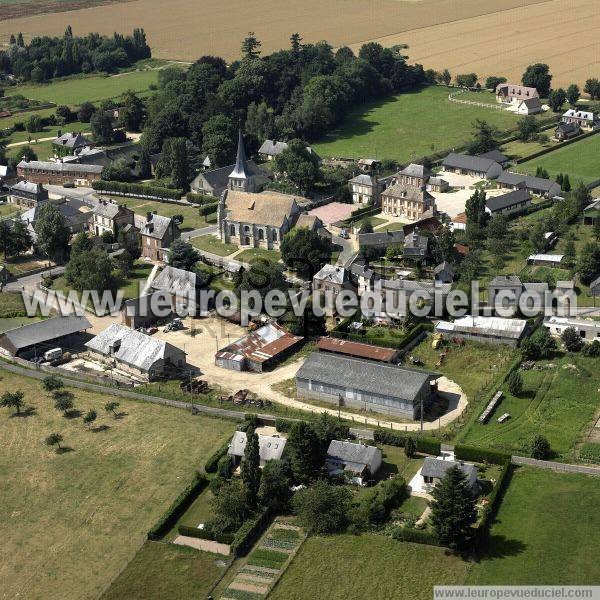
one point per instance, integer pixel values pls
(356, 349)
(496, 326)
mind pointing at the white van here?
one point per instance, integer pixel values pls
(53, 354)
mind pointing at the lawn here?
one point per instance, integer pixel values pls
(75, 90)
(408, 126)
(346, 567)
(558, 402)
(71, 522)
(395, 462)
(162, 570)
(545, 532)
(251, 254)
(11, 304)
(473, 366)
(579, 160)
(199, 512)
(191, 217)
(519, 149)
(210, 243)
(9, 210)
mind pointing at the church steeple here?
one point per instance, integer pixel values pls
(241, 178)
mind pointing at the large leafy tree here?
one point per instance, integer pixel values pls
(101, 126)
(485, 137)
(274, 491)
(538, 76)
(298, 165)
(475, 208)
(304, 451)
(263, 276)
(588, 264)
(182, 255)
(13, 400)
(305, 251)
(219, 137)
(453, 509)
(52, 232)
(323, 508)
(131, 112)
(90, 270)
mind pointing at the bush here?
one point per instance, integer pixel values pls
(249, 532)
(592, 349)
(514, 382)
(179, 506)
(225, 466)
(389, 438)
(539, 448)
(428, 445)
(410, 447)
(205, 534)
(571, 339)
(200, 198)
(487, 455)
(283, 425)
(213, 462)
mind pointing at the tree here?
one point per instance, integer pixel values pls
(13, 400)
(263, 276)
(588, 264)
(570, 254)
(323, 508)
(307, 324)
(85, 112)
(492, 82)
(51, 383)
(305, 251)
(64, 114)
(34, 124)
(101, 126)
(125, 263)
(54, 439)
(556, 99)
(538, 76)
(52, 232)
(571, 339)
(573, 95)
(251, 468)
(304, 451)
(90, 417)
(445, 77)
(111, 407)
(64, 402)
(566, 184)
(467, 81)
(453, 509)
(528, 127)
(498, 227)
(539, 448)
(251, 47)
(410, 447)
(592, 87)
(537, 236)
(298, 165)
(475, 208)
(219, 140)
(540, 345)
(515, 383)
(131, 112)
(90, 270)
(229, 506)
(183, 255)
(144, 164)
(274, 491)
(485, 137)
(20, 240)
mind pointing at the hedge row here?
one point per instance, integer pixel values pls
(494, 498)
(532, 208)
(359, 213)
(205, 534)
(138, 189)
(208, 209)
(179, 506)
(201, 198)
(393, 438)
(554, 148)
(213, 461)
(487, 455)
(249, 532)
(418, 536)
(283, 425)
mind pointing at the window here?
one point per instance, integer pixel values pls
(247, 229)
(261, 234)
(274, 235)
(232, 230)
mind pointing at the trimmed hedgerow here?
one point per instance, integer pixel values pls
(418, 536)
(213, 462)
(249, 532)
(472, 453)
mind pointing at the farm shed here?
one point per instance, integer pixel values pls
(492, 330)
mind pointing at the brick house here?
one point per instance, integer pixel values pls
(156, 234)
(59, 173)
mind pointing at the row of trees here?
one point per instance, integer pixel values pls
(47, 57)
(299, 92)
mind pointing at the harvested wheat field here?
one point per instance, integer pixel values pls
(562, 33)
(186, 29)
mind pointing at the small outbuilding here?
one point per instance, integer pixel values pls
(435, 469)
(358, 461)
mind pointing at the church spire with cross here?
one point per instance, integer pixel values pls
(241, 178)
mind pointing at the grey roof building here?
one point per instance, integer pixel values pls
(535, 185)
(136, 352)
(181, 285)
(269, 447)
(381, 239)
(44, 335)
(510, 203)
(416, 245)
(71, 141)
(434, 469)
(358, 460)
(595, 287)
(378, 387)
(486, 168)
(444, 272)
(26, 193)
(497, 156)
(491, 330)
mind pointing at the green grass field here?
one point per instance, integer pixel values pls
(545, 532)
(76, 90)
(579, 160)
(251, 254)
(210, 243)
(71, 522)
(345, 567)
(408, 126)
(559, 403)
(162, 570)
